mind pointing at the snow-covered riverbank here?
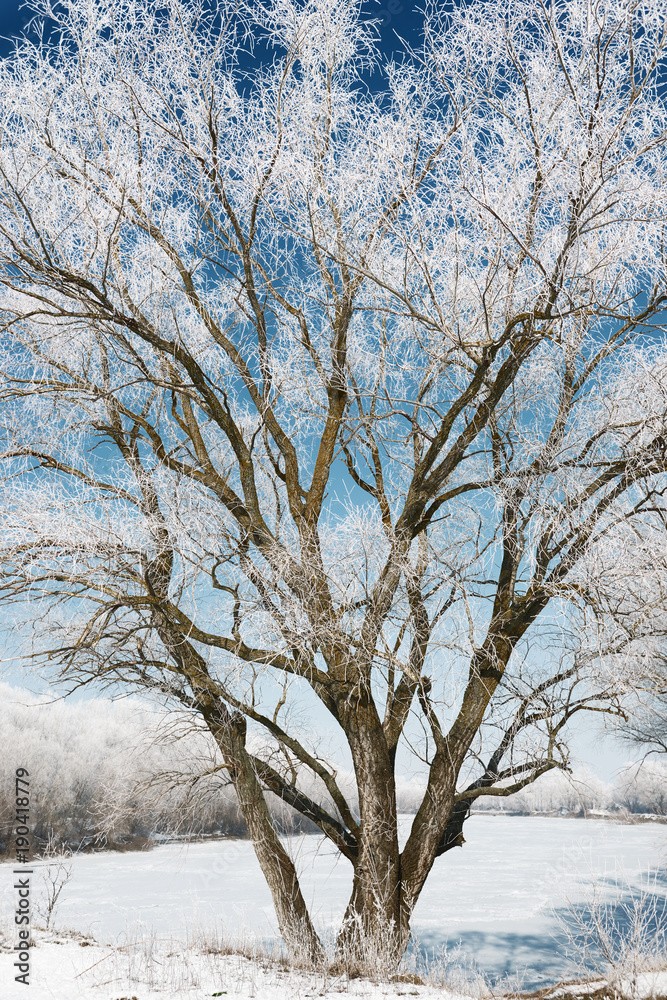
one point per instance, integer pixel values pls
(72, 967)
(504, 896)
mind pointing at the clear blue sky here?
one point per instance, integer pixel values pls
(396, 17)
(12, 21)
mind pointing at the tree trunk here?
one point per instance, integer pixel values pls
(296, 928)
(367, 943)
(375, 928)
(229, 731)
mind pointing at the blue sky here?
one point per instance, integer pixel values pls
(396, 17)
(12, 21)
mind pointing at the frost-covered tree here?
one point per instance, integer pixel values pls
(646, 726)
(643, 575)
(109, 773)
(321, 401)
(643, 787)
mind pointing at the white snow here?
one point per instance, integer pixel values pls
(645, 984)
(499, 896)
(63, 970)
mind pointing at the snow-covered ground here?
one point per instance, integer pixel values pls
(503, 898)
(67, 967)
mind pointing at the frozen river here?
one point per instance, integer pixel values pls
(500, 895)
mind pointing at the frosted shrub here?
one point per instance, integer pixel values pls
(623, 938)
(55, 871)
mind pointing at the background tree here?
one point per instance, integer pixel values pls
(642, 658)
(311, 393)
(646, 725)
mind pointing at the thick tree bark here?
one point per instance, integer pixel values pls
(373, 928)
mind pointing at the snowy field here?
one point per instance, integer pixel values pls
(502, 898)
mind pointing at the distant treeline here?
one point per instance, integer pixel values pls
(104, 773)
(639, 789)
(118, 774)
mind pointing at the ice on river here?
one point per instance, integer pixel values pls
(499, 896)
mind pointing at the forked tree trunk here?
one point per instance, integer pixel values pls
(376, 926)
(386, 884)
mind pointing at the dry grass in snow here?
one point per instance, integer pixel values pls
(71, 966)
